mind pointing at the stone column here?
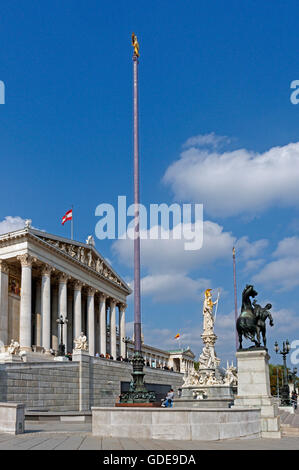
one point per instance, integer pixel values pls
(77, 309)
(97, 327)
(4, 302)
(54, 318)
(103, 329)
(62, 304)
(26, 301)
(70, 324)
(38, 316)
(46, 307)
(90, 321)
(113, 328)
(122, 329)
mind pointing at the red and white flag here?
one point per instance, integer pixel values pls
(67, 216)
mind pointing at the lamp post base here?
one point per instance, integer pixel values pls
(285, 395)
(61, 350)
(138, 392)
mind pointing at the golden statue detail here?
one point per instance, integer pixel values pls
(135, 45)
(209, 318)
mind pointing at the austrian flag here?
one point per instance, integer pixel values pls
(67, 216)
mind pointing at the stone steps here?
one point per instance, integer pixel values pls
(289, 419)
(74, 417)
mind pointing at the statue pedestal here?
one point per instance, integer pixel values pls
(79, 354)
(254, 389)
(7, 357)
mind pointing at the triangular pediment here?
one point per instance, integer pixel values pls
(189, 353)
(83, 253)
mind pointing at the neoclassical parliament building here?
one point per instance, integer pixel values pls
(44, 276)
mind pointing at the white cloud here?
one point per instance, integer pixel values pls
(10, 223)
(168, 265)
(282, 273)
(173, 287)
(285, 321)
(251, 249)
(169, 256)
(288, 247)
(191, 337)
(253, 265)
(232, 183)
(206, 140)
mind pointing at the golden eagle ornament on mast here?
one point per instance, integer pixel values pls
(135, 44)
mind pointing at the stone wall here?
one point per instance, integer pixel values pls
(41, 386)
(72, 386)
(106, 377)
(177, 423)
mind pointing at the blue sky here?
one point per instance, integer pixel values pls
(219, 68)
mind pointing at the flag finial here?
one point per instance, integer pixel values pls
(135, 45)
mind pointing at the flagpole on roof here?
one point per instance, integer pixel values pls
(72, 224)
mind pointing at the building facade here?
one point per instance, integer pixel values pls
(179, 360)
(43, 277)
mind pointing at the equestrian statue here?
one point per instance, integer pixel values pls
(252, 320)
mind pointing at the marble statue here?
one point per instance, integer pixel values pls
(14, 347)
(209, 320)
(99, 266)
(90, 240)
(90, 260)
(212, 379)
(191, 378)
(231, 377)
(205, 359)
(81, 343)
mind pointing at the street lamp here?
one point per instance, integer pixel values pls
(61, 347)
(285, 390)
(126, 341)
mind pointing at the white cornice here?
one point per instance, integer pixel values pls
(34, 235)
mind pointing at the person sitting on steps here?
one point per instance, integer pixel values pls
(168, 402)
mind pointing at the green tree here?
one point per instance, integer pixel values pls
(276, 377)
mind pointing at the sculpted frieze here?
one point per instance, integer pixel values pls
(86, 257)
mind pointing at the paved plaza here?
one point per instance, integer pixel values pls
(71, 436)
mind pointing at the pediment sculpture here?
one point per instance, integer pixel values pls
(85, 256)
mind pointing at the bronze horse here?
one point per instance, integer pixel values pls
(252, 320)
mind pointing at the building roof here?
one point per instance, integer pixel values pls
(84, 254)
